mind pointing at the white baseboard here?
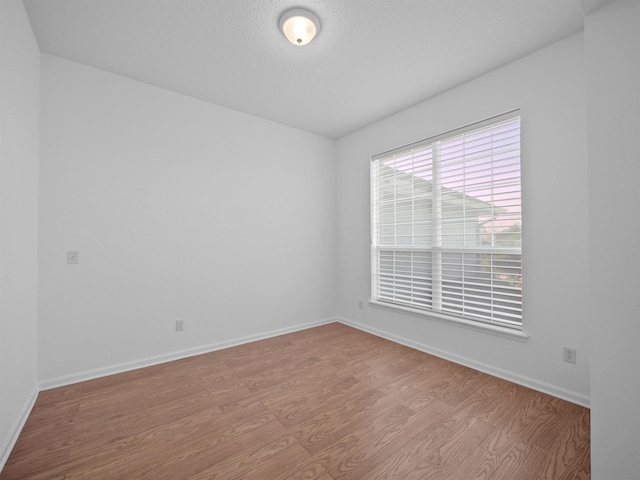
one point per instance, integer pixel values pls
(18, 425)
(564, 394)
(158, 359)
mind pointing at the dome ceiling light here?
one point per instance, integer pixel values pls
(300, 26)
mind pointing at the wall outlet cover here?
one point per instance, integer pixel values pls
(569, 354)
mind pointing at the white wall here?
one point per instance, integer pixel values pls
(19, 92)
(179, 209)
(613, 65)
(549, 88)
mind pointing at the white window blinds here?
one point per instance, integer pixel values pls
(447, 224)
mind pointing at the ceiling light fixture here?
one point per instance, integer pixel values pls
(300, 26)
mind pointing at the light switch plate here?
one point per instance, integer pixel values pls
(72, 257)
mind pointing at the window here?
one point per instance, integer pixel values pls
(447, 224)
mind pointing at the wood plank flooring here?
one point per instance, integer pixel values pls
(326, 403)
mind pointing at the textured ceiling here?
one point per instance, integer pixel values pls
(371, 59)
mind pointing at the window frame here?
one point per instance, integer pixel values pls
(504, 328)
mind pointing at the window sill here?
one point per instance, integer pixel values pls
(497, 330)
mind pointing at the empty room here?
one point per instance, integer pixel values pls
(317, 240)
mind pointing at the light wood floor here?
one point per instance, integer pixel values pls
(325, 403)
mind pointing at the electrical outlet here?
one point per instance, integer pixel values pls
(360, 305)
(179, 325)
(569, 354)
